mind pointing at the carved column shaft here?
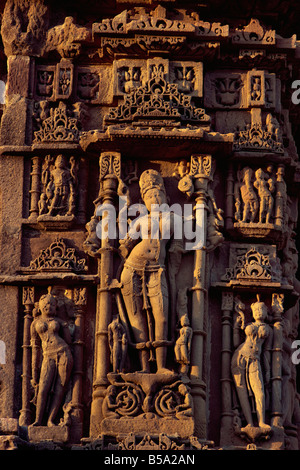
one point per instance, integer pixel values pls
(229, 199)
(277, 366)
(83, 184)
(35, 188)
(28, 302)
(199, 299)
(77, 414)
(108, 193)
(227, 307)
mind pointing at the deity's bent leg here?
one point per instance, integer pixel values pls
(46, 378)
(158, 296)
(257, 385)
(133, 299)
(64, 368)
(239, 377)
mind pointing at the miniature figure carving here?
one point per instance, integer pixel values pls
(183, 345)
(59, 183)
(281, 197)
(265, 188)
(185, 410)
(246, 366)
(256, 88)
(109, 403)
(144, 281)
(117, 344)
(50, 336)
(215, 220)
(249, 198)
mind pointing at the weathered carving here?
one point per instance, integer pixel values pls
(67, 38)
(24, 27)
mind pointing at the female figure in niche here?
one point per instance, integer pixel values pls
(51, 337)
(246, 365)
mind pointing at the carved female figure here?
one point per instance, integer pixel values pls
(264, 188)
(246, 365)
(51, 337)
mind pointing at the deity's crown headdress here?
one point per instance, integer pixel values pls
(151, 179)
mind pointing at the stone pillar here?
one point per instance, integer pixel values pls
(199, 299)
(35, 188)
(110, 164)
(79, 298)
(229, 199)
(82, 190)
(227, 308)
(201, 174)
(28, 302)
(276, 367)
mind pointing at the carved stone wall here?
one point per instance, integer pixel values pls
(113, 336)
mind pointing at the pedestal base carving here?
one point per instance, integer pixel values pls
(150, 424)
(53, 433)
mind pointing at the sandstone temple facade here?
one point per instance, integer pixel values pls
(121, 341)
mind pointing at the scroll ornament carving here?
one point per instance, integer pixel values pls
(57, 257)
(132, 397)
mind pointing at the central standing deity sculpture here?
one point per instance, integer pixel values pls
(144, 280)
